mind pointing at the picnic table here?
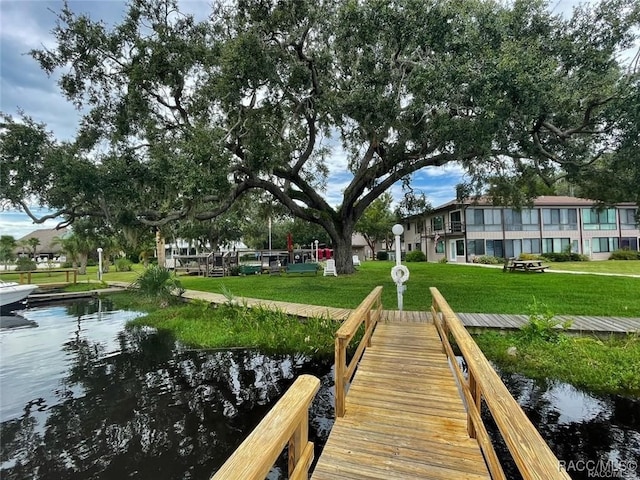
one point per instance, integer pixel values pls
(515, 265)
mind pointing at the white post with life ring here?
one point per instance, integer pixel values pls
(399, 273)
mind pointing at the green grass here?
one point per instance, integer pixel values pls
(199, 325)
(609, 366)
(466, 288)
(629, 267)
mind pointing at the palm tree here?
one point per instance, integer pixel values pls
(7, 246)
(33, 243)
(70, 247)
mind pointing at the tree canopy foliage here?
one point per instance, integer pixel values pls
(183, 117)
(376, 222)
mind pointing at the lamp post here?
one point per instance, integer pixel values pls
(316, 242)
(399, 273)
(100, 263)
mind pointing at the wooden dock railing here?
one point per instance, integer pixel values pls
(531, 454)
(49, 271)
(369, 312)
(286, 423)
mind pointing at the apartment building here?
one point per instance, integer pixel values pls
(461, 231)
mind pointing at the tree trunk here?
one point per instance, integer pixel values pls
(160, 249)
(342, 249)
(83, 264)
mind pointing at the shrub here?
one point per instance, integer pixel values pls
(381, 255)
(415, 256)
(25, 264)
(624, 254)
(443, 260)
(488, 260)
(158, 282)
(542, 325)
(564, 257)
(123, 265)
(529, 256)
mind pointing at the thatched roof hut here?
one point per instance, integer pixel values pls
(47, 246)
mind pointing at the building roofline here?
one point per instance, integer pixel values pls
(542, 201)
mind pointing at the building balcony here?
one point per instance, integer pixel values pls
(450, 228)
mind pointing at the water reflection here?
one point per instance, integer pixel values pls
(582, 429)
(110, 403)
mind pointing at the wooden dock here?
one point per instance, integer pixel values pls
(404, 417)
(404, 409)
(579, 323)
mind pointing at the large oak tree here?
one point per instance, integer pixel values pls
(184, 116)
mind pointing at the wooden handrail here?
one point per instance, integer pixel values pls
(532, 455)
(286, 422)
(369, 312)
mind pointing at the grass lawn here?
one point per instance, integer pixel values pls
(467, 288)
(631, 267)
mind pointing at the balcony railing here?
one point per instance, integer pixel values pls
(447, 228)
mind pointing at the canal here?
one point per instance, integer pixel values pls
(82, 397)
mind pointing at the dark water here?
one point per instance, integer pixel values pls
(593, 436)
(83, 398)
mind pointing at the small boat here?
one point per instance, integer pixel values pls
(13, 293)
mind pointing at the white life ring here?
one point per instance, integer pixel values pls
(399, 274)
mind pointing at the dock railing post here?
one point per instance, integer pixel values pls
(298, 443)
(340, 366)
(476, 395)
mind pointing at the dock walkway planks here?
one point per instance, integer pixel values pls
(579, 323)
(404, 417)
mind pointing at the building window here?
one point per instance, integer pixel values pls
(628, 219)
(495, 248)
(521, 220)
(460, 248)
(555, 245)
(483, 220)
(475, 247)
(604, 244)
(593, 219)
(408, 227)
(559, 219)
(513, 248)
(629, 243)
(440, 246)
(437, 223)
(417, 245)
(408, 247)
(531, 245)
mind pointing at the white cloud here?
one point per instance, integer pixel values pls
(17, 224)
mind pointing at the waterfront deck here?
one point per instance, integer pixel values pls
(404, 409)
(404, 417)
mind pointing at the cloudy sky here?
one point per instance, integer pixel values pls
(27, 24)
